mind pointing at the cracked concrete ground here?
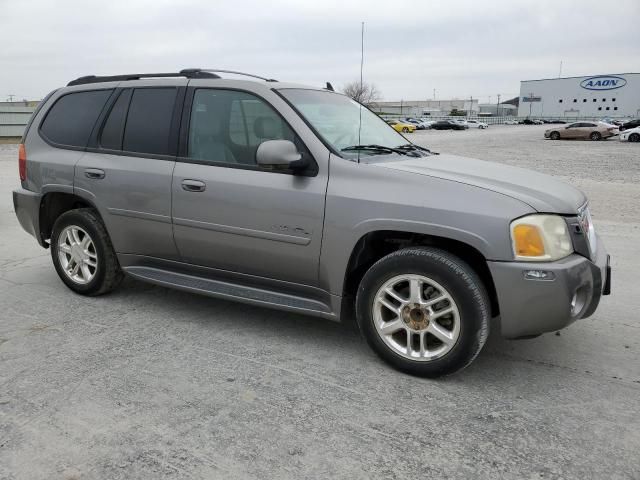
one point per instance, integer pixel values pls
(153, 383)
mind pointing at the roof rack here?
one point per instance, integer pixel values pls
(187, 72)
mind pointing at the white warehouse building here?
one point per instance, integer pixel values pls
(615, 95)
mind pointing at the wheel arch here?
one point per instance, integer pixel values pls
(374, 245)
(55, 203)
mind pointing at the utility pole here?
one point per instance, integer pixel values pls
(434, 93)
(10, 97)
(498, 106)
(560, 73)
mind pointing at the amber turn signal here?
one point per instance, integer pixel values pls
(528, 241)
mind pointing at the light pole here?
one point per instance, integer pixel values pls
(498, 106)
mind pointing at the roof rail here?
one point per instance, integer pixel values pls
(189, 73)
(215, 70)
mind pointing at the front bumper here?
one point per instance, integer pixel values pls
(27, 207)
(533, 306)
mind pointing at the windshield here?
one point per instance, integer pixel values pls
(336, 118)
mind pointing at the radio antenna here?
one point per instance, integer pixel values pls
(361, 83)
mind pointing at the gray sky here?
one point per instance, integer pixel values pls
(460, 48)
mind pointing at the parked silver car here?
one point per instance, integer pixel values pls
(297, 198)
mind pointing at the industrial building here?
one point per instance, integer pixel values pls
(420, 108)
(616, 95)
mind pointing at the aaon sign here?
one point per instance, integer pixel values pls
(604, 82)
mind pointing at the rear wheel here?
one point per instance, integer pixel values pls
(554, 136)
(595, 136)
(634, 137)
(424, 311)
(82, 253)
(405, 129)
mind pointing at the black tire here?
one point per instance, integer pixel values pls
(107, 272)
(595, 136)
(405, 129)
(554, 135)
(462, 283)
(634, 137)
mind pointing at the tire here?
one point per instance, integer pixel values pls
(464, 315)
(98, 270)
(554, 135)
(634, 137)
(595, 136)
(405, 130)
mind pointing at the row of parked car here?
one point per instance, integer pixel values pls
(408, 125)
(596, 131)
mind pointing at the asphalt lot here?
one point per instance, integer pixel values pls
(153, 383)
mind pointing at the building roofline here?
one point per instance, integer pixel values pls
(581, 76)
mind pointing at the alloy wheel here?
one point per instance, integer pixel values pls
(77, 254)
(416, 317)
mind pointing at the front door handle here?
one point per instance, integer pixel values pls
(94, 173)
(193, 186)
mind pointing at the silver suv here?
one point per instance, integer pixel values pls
(299, 198)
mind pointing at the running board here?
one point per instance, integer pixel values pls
(230, 291)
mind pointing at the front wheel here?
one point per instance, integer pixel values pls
(405, 130)
(595, 136)
(82, 253)
(634, 137)
(554, 136)
(424, 311)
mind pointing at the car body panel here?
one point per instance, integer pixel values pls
(542, 192)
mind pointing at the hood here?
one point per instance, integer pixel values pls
(541, 192)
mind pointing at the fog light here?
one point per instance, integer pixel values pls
(539, 275)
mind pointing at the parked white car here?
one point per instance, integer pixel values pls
(477, 124)
(631, 135)
(461, 121)
(511, 122)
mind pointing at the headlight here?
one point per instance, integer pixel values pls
(584, 217)
(537, 238)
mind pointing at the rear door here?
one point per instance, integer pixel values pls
(128, 167)
(233, 215)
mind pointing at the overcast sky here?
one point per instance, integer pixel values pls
(459, 48)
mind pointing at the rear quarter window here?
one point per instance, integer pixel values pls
(71, 119)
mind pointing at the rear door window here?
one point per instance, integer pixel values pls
(113, 129)
(71, 119)
(148, 122)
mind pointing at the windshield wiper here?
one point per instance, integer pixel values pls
(412, 147)
(374, 148)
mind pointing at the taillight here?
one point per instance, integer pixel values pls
(22, 162)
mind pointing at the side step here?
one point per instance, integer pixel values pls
(230, 291)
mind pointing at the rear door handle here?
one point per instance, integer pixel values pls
(193, 186)
(94, 173)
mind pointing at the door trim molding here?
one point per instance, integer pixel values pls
(246, 232)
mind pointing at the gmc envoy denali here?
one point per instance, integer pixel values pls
(299, 198)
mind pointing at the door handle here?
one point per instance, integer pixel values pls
(94, 173)
(193, 186)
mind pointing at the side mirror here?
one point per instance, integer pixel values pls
(280, 154)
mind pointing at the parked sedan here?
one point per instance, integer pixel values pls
(448, 125)
(582, 130)
(510, 122)
(477, 124)
(631, 124)
(631, 135)
(414, 121)
(403, 127)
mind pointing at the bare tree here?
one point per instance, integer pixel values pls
(365, 93)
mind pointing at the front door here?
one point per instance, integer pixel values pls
(230, 214)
